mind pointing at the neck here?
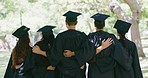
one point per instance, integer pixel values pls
(71, 27)
(98, 29)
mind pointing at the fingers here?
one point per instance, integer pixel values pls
(37, 46)
(65, 55)
(103, 40)
(35, 49)
(50, 68)
(82, 67)
(109, 40)
(66, 51)
(106, 43)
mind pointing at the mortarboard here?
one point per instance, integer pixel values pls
(100, 17)
(46, 29)
(122, 26)
(21, 32)
(71, 16)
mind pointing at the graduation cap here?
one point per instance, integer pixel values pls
(46, 29)
(71, 16)
(100, 17)
(21, 32)
(122, 26)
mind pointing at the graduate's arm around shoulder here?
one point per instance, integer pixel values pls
(105, 43)
(36, 49)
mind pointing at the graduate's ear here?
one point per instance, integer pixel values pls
(76, 22)
(66, 23)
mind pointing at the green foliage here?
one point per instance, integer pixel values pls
(36, 13)
(32, 1)
(144, 12)
(122, 1)
(2, 33)
(9, 5)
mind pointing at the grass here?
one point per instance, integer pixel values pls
(4, 57)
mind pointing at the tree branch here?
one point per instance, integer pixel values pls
(116, 9)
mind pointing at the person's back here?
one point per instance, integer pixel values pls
(103, 64)
(131, 51)
(19, 65)
(41, 62)
(70, 39)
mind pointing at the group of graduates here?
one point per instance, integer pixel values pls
(66, 55)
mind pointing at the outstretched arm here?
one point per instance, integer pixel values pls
(105, 44)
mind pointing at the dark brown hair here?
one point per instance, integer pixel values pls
(99, 24)
(49, 38)
(20, 51)
(71, 23)
(123, 40)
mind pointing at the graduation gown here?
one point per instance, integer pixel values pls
(41, 62)
(24, 71)
(69, 67)
(135, 70)
(103, 64)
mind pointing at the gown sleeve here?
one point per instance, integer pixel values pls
(56, 52)
(136, 65)
(9, 71)
(28, 64)
(37, 71)
(86, 53)
(41, 62)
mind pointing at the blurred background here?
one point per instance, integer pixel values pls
(37, 13)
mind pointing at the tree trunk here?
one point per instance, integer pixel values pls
(136, 38)
(136, 12)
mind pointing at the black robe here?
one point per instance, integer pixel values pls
(103, 64)
(135, 70)
(41, 62)
(26, 66)
(69, 67)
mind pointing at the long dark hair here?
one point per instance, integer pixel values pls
(49, 38)
(123, 40)
(20, 51)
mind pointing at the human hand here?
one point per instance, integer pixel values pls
(36, 49)
(17, 66)
(68, 53)
(106, 43)
(50, 68)
(82, 67)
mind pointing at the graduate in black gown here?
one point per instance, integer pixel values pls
(41, 62)
(71, 39)
(135, 70)
(103, 64)
(19, 65)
